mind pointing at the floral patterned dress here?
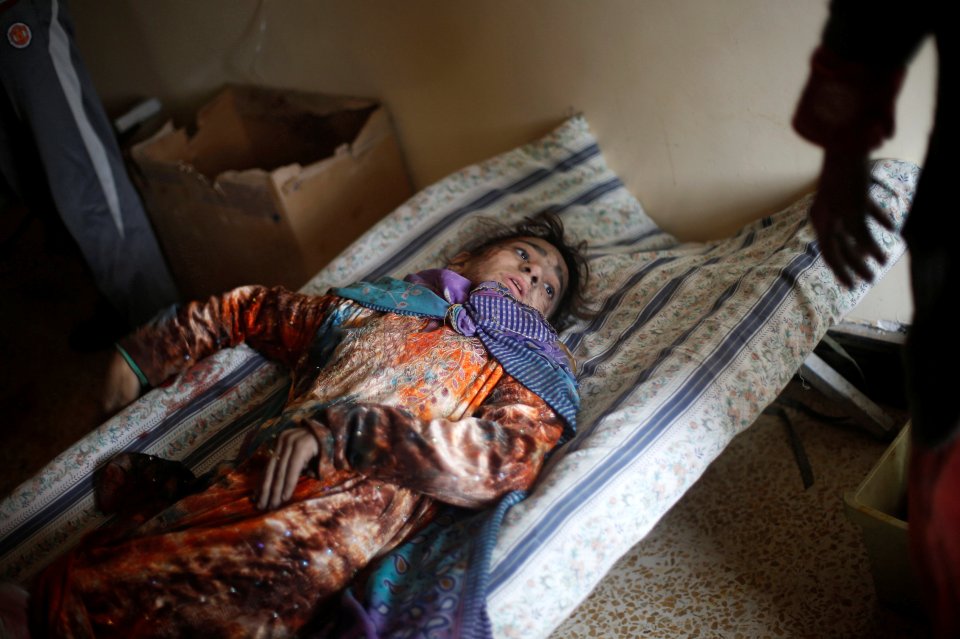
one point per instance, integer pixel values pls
(407, 411)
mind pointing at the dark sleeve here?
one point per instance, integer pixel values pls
(856, 73)
(276, 322)
(467, 462)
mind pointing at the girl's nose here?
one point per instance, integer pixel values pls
(535, 272)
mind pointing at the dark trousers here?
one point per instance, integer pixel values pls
(53, 122)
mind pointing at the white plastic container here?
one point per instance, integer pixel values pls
(879, 507)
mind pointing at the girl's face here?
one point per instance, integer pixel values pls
(531, 269)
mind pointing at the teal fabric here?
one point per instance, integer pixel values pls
(396, 296)
(516, 335)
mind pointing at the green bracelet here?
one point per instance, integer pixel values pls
(144, 382)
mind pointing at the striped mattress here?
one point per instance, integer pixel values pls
(692, 341)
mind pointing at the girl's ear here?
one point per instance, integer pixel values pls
(459, 261)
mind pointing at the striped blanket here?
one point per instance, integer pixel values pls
(692, 342)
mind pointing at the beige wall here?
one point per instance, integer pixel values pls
(691, 99)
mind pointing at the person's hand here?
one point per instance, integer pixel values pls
(295, 448)
(839, 214)
(121, 385)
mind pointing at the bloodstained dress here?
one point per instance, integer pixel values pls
(407, 411)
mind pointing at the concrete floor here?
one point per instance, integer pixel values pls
(748, 552)
(49, 394)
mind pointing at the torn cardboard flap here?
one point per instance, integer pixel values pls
(275, 183)
(375, 132)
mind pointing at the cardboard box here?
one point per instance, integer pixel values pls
(269, 187)
(879, 508)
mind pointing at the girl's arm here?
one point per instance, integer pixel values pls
(276, 322)
(467, 462)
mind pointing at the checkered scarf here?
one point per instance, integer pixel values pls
(516, 335)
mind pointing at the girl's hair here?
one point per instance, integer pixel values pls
(549, 228)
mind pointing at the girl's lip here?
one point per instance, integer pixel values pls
(516, 285)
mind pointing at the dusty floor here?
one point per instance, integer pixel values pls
(748, 552)
(49, 394)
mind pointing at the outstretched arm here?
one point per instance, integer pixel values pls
(466, 462)
(847, 107)
(276, 322)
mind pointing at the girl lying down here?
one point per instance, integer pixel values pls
(448, 386)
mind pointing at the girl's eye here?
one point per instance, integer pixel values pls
(523, 254)
(549, 290)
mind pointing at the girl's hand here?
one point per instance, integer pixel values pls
(295, 448)
(121, 386)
